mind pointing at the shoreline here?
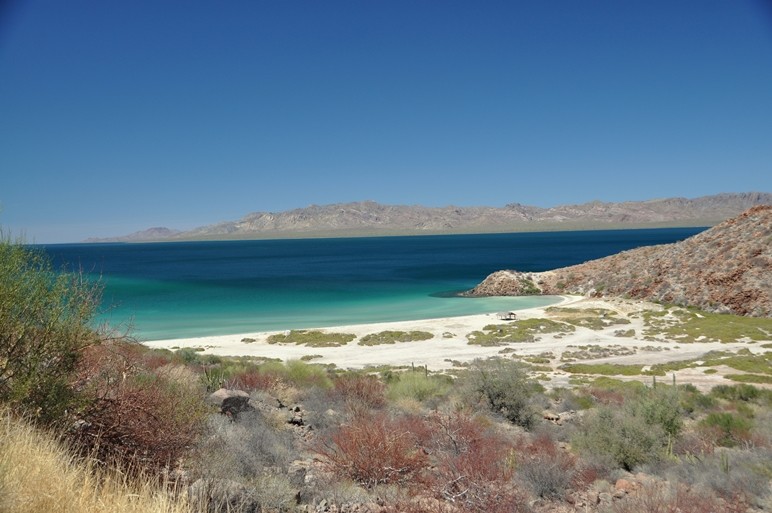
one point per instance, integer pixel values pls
(233, 345)
(449, 348)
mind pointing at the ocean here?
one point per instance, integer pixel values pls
(187, 289)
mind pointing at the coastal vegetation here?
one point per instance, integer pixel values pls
(526, 330)
(592, 318)
(391, 337)
(312, 338)
(690, 325)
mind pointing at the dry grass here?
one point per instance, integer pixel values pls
(37, 475)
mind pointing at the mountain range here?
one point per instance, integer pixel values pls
(368, 218)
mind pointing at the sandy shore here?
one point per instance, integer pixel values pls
(450, 346)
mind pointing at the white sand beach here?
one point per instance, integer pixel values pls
(449, 347)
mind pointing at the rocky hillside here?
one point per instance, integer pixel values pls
(727, 268)
(370, 218)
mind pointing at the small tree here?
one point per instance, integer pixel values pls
(504, 386)
(44, 325)
(627, 439)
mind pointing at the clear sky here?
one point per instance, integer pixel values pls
(118, 116)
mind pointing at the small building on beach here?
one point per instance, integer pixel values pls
(507, 316)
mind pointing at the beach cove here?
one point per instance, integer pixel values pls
(624, 338)
(160, 291)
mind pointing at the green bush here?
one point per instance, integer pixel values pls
(692, 400)
(312, 338)
(743, 392)
(391, 337)
(504, 386)
(659, 406)
(45, 323)
(628, 440)
(417, 385)
(730, 429)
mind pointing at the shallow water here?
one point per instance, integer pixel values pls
(185, 289)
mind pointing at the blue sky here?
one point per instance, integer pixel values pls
(119, 116)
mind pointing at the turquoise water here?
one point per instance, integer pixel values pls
(172, 290)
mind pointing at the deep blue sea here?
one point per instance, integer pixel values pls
(186, 289)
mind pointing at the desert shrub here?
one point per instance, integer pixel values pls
(338, 494)
(417, 385)
(726, 429)
(311, 338)
(605, 396)
(45, 323)
(242, 449)
(668, 498)
(188, 356)
(625, 438)
(544, 467)
(742, 392)
(251, 380)
(275, 492)
(626, 388)
(371, 450)
(693, 401)
(134, 417)
(360, 392)
(504, 387)
(473, 465)
(729, 473)
(297, 373)
(569, 399)
(391, 337)
(659, 406)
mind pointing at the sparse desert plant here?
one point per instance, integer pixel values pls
(360, 391)
(504, 387)
(670, 498)
(371, 450)
(625, 438)
(311, 338)
(659, 406)
(544, 467)
(418, 385)
(526, 330)
(391, 337)
(140, 419)
(242, 449)
(733, 474)
(297, 373)
(742, 392)
(275, 492)
(726, 429)
(473, 466)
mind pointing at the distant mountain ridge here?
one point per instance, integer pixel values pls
(727, 268)
(371, 218)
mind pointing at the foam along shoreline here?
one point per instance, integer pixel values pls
(449, 347)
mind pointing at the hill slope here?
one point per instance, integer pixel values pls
(370, 218)
(727, 268)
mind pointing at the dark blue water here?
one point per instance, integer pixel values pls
(182, 289)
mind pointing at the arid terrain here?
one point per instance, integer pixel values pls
(727, 268)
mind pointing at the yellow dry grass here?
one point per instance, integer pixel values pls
(37, 475)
